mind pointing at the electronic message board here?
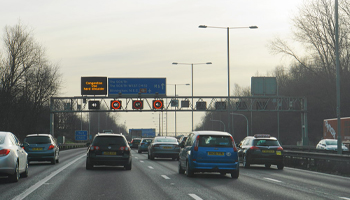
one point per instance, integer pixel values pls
(93, 85)
(136, 86)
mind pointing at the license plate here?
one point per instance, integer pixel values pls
(268, 151)
(37, 149)
(215, 153)
(278, 153)
(166, 147)
(109, 153)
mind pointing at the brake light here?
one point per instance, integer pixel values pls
(254, 148)
(196, 143)
(156, 145)
(279, 149)
(4, 152)
(124, 148)
(51, 147)
(142, 143)
(233, 144)
(92, 148)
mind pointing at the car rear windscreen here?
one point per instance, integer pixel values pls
(109, 140)
(37, 140)
(215, 141)
(264, 142)
(166, 140)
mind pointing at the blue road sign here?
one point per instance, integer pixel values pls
(81, 135)
(134, 86)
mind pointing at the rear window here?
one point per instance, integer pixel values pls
(148, 140)
(264, 142)
(331, 142)
(2, 139)
(109, 140)
(37, 140)
(166, 140)
(215, 141)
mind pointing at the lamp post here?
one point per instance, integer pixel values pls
(176, 104)
(207, 63)
(213, 120)
(228, 63)
(245, 119)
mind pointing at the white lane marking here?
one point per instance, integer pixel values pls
(344, 198)
(141, 161)
(136, 157)
(273, 180)
(165, 177)
(195, 197)
(43, 181)
(150, 167)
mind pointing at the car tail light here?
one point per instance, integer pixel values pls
(196, 143)
(279, 149)
(4, 152)
(92, 148)
(233, 144)
(142, 143)
(156, 145)
(51, 147)
(124, 148)
(254, 148)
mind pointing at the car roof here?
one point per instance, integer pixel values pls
(165, 137)
(39, 134)
(211, 133)
(109, 134)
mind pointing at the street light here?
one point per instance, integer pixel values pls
(176, 105)
(228, 62)
(213, 120)
(245, 119)
(207, 63)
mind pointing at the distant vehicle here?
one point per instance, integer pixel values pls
(164, 147)
(143, 146)
(330, 144)
(13, 158)
(135, 142)
(209, 151)
(330, 129)
(182, 140)
(41, 147)
(107, 131)
(109, 149)
(261, 149)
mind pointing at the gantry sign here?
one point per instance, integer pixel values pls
(99, 94)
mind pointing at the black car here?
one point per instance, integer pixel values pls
(135, 142)
(261, 149)
(109, 149)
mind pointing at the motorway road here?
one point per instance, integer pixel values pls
(159, 179)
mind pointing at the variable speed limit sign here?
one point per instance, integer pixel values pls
(116, 105)
(137, 104)
(157, 104)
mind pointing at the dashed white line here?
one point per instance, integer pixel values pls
(165, 177)
(141, 161)
(150, 167)
(344, 198)
(273, 180)
(195, 197)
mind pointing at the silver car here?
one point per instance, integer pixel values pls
(330, 144)
(13, 158)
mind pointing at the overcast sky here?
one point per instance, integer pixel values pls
(139, 38)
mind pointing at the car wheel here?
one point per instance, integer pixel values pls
(222, 173)
(235, 174)
(189, 172)
(128, 166)
(15, 176)
(267, 166)
(89, 165)
(181, 171)
(151, 156)
(246, 164)
(139, 151)
(148, 155)
(53, 161)
(58, 158)
(280, 166)
(25, 173)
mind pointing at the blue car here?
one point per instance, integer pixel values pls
(209, 151)
(143, 146)
(41, 147)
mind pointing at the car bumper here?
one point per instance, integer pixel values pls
(274, 160)
(41, 156)
(214, 167)
(108, 160)
(166, 154)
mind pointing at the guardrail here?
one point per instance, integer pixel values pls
(71, 146)
(317, 160)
